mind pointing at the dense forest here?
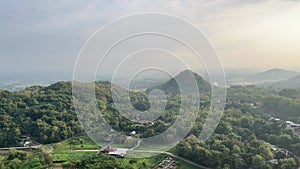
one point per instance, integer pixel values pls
(246, 136)
(44, 113)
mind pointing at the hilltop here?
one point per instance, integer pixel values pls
(185, 78)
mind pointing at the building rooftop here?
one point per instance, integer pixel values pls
(121, 152)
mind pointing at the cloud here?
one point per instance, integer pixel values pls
(33, 32)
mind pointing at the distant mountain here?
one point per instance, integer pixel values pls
(293, 82)
(274, 74)
(185, 78)
(268, 76)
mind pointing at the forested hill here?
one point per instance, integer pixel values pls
(185, 78)
(244, 137)
(293, 82)
(46, 113)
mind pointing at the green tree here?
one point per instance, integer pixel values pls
(259, 162)
(288, 163)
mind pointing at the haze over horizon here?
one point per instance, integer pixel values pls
(47, 36)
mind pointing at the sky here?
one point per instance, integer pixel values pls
(48, 35)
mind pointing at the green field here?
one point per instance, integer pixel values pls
(69, 156)
(88, 144)
(64, 154)
(142, 162)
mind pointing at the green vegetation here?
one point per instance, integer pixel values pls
(78, 142)
(184, 165)
(293, 82)
(70, 156)
(104, 161)
(15, 159)
(282, 107)
(246, 136)
(45, 113)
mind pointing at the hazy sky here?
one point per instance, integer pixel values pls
(47, 35)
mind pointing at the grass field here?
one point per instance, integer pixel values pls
(69, 156)
(65, 145)
(64, 152)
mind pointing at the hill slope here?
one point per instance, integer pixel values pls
(293, 82)
(185, 78)
(274, 74)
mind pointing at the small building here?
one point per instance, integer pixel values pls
(274, 148)
(132, 133)
(294, 125)
(25, 137)
(274, 119)
(291, 124)
(27, 144)
(118, 152)
(107, 149)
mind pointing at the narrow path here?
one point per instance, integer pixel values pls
(83, 150)
(20, 148)
(137, 145)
